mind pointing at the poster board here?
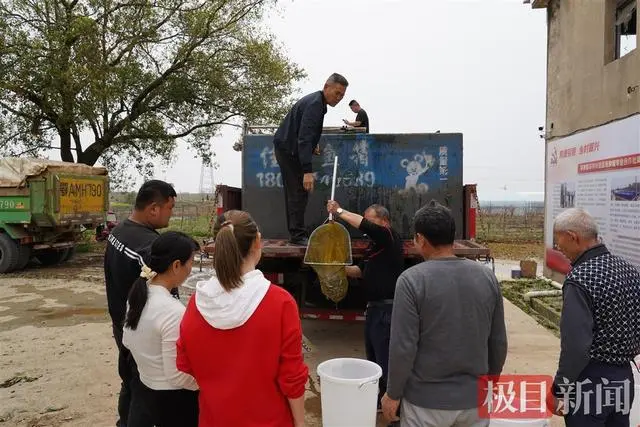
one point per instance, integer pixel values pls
(599, 170)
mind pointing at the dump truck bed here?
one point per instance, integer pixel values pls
(14, 171)
(49, 193)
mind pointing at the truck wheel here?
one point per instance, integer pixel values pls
(24, 257)
(9, 253)
(70, 253)
(51, 257)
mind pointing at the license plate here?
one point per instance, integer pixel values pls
(79, 195)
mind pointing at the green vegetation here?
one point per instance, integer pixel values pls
(514, 291)
(136, 76)
(195, 226)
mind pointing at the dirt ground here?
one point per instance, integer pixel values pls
(58, 356)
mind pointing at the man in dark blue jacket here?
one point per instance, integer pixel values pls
(295, 142)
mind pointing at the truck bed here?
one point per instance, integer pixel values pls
(280, 248)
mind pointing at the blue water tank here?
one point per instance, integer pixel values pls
(399, 171)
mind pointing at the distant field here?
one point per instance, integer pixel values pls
(511, 231)
(511, 225)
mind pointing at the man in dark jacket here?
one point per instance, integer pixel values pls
(379, 270)
(295, 142)
(127, 245)
(599, 327)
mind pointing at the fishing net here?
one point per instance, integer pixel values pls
(328, 252)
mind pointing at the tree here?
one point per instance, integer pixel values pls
(135, 76)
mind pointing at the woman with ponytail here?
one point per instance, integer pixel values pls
(241, 337)
(164, 395)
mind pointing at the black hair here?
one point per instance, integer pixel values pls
(380, 211)
(169, 247)
(435, 222)
(353, 101)
(154, 191)
(339, 79)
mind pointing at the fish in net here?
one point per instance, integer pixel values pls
(328, 252)
(333, 281)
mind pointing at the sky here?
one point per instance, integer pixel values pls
(472, 66)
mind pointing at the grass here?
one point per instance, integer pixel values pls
(516, 251)
(514, 291)
(195, 226)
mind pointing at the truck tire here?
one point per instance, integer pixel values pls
(51, 256)
(70, 253)
(9, 253)
(24, 257)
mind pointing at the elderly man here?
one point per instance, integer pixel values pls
(379, 270)
(295, 142)
(447, 331)
(599, 327)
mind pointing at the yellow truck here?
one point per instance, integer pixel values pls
(44, 206)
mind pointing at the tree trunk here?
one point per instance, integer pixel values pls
(65, 145)
(91, 155)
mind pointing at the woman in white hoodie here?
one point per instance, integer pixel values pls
(168, 397)
(241, 338)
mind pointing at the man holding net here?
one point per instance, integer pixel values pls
(382, 265)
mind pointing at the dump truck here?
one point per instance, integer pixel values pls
(44, 207)
(400, 171)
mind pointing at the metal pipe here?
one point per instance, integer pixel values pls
(551, 282)
(533, 294)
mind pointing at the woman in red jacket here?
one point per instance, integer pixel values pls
(241, 338)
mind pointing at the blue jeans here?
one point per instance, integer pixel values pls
(377, 333)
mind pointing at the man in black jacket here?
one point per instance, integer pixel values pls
(127, 245)
(379, 270)
(295, 142)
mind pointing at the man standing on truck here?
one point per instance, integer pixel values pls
(362, 119)
(127, 244)
(382, 264)
(295, 142)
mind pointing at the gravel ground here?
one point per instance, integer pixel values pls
(58, 357)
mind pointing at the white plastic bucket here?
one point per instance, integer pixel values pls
(349, 392)
(540, 422)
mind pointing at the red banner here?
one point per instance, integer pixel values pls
(613, 163)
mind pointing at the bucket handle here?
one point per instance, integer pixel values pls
(366, 382)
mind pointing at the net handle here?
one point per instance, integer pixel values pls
(333, 183)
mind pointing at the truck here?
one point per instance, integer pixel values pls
(400, 171)
(44, 207)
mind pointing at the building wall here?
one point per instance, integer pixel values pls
(585, 87)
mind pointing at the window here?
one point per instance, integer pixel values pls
(625, 27)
